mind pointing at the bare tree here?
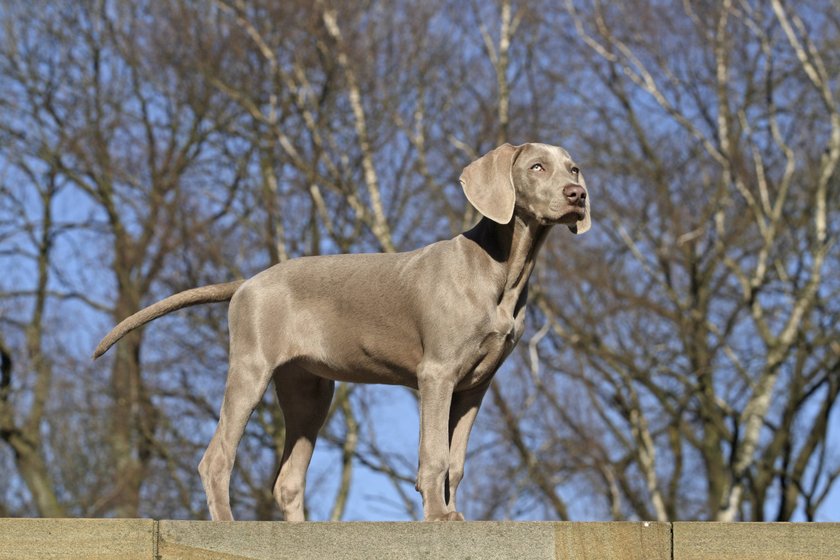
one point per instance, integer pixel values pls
(698, 328)
(100, 121)
(30, 237)
(682, 362)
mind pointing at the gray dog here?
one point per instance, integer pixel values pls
(440, 319)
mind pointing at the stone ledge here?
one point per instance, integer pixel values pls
(89, 539)
(148, 539)
(757, 541)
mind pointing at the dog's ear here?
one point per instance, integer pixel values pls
(488, 184)
(582, 226)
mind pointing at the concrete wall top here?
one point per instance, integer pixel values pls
(23, 539)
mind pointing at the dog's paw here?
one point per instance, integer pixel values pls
(451, 516)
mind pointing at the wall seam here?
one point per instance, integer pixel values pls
(672, 540)
(155, 539)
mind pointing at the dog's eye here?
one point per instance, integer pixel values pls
(537, 167)
(575, 170)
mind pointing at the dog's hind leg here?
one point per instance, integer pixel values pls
(305, 400)
(247, 380)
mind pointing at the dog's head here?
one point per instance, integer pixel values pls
(538, 180)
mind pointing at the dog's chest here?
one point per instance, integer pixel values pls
(495, 342)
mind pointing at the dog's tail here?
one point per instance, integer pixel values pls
(205, 294)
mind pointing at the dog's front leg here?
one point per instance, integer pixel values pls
(462, 415)
(436, 386)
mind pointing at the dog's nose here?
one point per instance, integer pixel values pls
(575, 194)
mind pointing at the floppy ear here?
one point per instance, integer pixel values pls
(488, 184)
(582, 226)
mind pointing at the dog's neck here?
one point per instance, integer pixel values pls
(514, 246)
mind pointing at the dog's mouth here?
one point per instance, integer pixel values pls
(572, 214)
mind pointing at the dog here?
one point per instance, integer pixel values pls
(440, 319)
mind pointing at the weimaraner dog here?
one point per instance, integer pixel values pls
(440, 319)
